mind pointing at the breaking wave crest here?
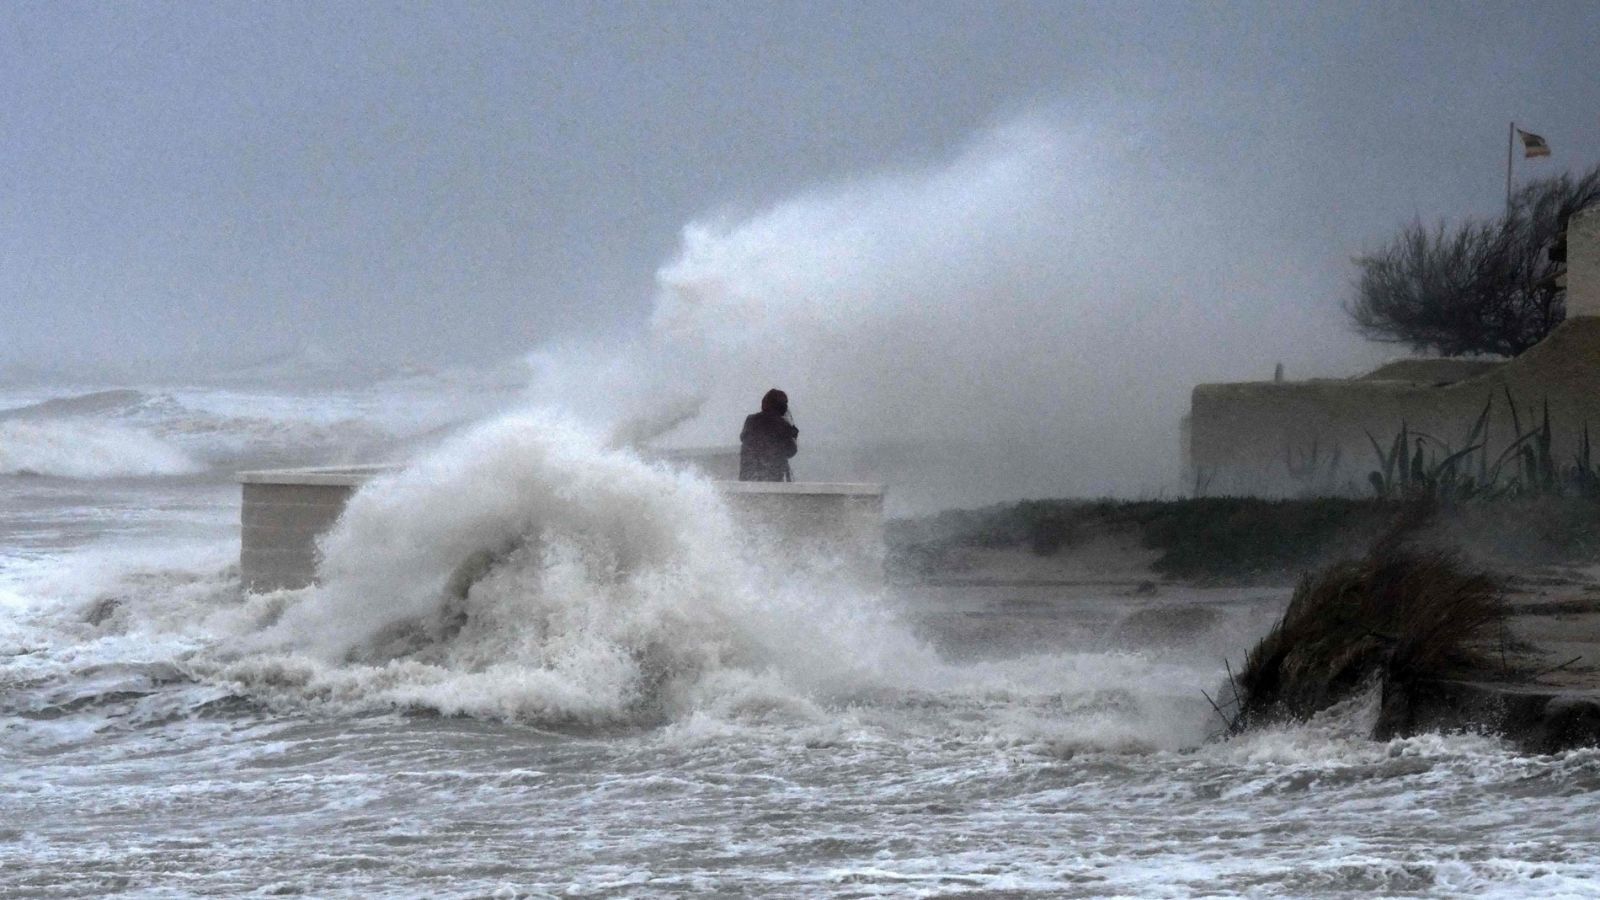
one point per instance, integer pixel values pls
(221, 429)
(523, 571)
(526, 571)
(80, 449)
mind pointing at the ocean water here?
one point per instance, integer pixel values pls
(632, 697)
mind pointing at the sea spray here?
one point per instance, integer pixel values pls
(1024, 318)
(524, 571)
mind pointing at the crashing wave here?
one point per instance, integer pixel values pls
(111, 402)
(524, 571)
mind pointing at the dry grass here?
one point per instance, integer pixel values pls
(1401, 615)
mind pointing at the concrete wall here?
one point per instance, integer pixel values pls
(281, 513)
(1259, 437)
(834, 523)
(284, 511)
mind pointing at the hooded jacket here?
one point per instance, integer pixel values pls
(767, 441)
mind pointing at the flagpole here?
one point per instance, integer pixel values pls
(1511, 141)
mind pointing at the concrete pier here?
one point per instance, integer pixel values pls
(284, 511)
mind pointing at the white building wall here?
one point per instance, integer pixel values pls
(1583, 264)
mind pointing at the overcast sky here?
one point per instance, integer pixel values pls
(453, 182)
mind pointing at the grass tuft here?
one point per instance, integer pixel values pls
(1403, 616)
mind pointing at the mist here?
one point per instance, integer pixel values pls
(1025, 318)
(987, 253)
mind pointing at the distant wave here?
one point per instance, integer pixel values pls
(133, 432)
(79, 449)
(98, 403)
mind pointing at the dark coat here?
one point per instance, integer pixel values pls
(765, 445)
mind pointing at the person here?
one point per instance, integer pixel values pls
(768, 441)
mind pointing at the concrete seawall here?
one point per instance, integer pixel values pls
(284, 511)
(281, 514)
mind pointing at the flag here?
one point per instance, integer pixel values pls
(1532, 145)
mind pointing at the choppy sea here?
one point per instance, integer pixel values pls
(636, 698)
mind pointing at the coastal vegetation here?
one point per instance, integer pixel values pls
(1206, 537)
(1479, 287)
(1416, 465)
(1435, 635)
(1404, 597)
(1239, 539)
(1398, 617)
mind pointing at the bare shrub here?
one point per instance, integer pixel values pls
(1480, 287)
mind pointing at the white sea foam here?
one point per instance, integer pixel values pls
(843, 757)
(83, 449)
(525, 571)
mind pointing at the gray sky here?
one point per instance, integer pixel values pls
(458, 182)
